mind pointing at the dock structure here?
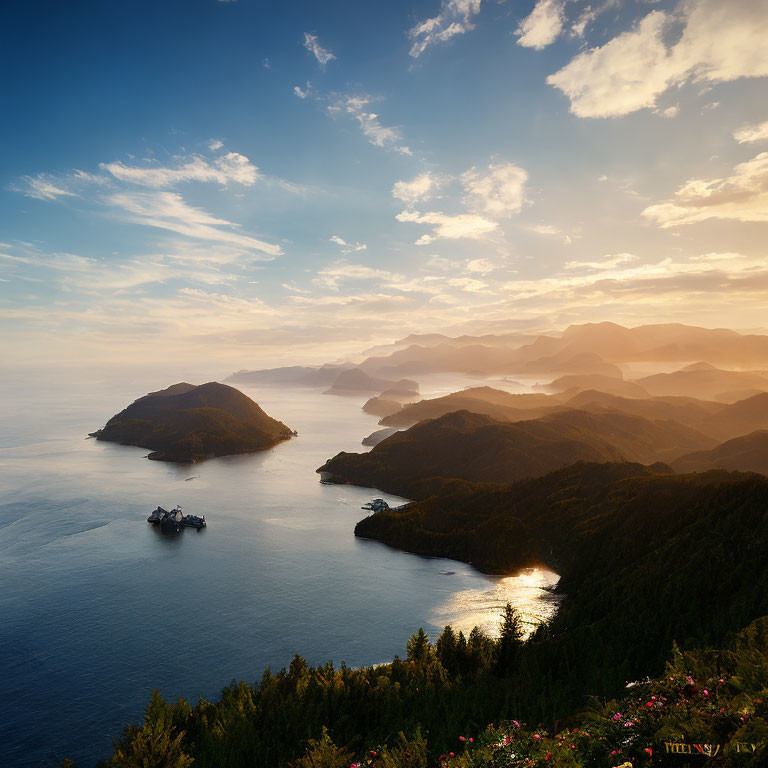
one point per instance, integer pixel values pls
(175, 520)
(379, 505)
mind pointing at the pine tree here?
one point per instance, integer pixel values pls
(509, 643)
(419, 648)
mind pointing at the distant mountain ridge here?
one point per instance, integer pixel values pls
(189, 423)
(591, 348)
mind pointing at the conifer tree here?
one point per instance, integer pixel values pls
(509, 643)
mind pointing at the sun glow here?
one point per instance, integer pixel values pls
(530, 592)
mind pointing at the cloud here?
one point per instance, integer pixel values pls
(609, 262)
(743, 196)
(543, 25)
(500, 192)
(480, 266)
(348, 247)
(90, 276)
(331, 277)
(419, 188)
(749, 133)
(467, 284)
(168, 210)
(43, 187)
(312, 44)
(215, 144)
(719, 42)
(455, 18)
(442, 264)
(464, 225)
(377, 134)
(232, 167)
(303, 93)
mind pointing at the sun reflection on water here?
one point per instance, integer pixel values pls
(529, 592)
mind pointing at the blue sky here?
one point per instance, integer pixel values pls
(258, 184)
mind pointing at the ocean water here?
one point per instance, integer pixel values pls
(97, 607)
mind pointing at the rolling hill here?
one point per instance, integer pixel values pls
(190, 423)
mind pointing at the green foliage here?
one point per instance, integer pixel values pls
(510, 642)
(193, 423)
(323, 753)
(157, 744)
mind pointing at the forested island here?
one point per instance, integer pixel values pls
(190, 423)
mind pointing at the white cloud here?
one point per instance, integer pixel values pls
(719, 42)
(671, 112)
(215, 144)
(467, 284)
(743, 196)
(312, 44)
(543, 25)
(609, 262)
(348, 247)
(442, 264)
(499, 192)
(44, 187)
(419, 188)
(230, 167)
(464, 225)
(749, 133)
(377, 134)
(455, 18)
(303, 93)
(169, 211)
(480, 266)
(331, 277)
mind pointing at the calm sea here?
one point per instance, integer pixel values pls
(97, 607)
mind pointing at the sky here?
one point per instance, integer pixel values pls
(256, 184)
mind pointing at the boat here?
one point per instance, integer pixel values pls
(175, 519)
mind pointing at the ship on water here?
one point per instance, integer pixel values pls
(175, 519)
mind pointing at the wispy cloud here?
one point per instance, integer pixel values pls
(312, 44)
(332, 276)
(455, 18)
(231, 167)
(749, 133)
(347, 247)
(168, 210)
(377, 134)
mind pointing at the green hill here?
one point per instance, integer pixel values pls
(189, 423)
(475, 447)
